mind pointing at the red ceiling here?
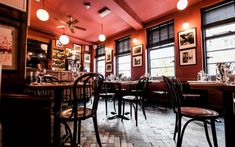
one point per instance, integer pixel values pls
(125, 14)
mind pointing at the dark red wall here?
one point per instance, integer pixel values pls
(192, 15)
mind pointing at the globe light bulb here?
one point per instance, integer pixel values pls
(102, 37)
(182, 4)
(42, 14)
(64, 39)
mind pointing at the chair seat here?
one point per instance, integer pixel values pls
(107, 94)
(129, 97)
(198, 112)
(67, 113)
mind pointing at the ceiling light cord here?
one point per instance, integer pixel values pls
(102, 36)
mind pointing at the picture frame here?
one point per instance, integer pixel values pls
(69, 53)
(188, 57)
(137, 50)
(77, 48)
(8, 47)
(108, 55)
(58, 44)
(87, 49)
(137, 61)
(187, 39)
(108, 67)
(87, 58)
(78, 57)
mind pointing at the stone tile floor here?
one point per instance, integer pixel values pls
(156, 131)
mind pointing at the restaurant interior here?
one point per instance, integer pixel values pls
(171, 61)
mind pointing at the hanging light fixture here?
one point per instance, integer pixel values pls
(102, 36)
(42, 14)
(64, 39)
(182, 4)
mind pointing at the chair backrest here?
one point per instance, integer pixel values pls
(142, 87)
(86, 87)
(174, 94)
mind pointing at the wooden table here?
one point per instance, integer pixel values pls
(228, 106)
(58, 94)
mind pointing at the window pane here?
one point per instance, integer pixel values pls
(220, 43)
(124, 65)
(162, 61)
(100, 65)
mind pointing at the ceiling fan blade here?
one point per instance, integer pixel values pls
(81, 28)
(60, 27)
(75, 21)
(60, 21)
(72, 30)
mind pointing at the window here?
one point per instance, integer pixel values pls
(100, 60)
(219, 34)
(123, 56)
(161, 51)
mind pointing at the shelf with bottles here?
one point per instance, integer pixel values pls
(58, 59)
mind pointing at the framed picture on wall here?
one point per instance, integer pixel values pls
(187, 39)
(77, 48)
(58, 44)
(87, 58)
(137, 50)
(188, 57)
(108, 56)
(137, 61)
(8, 47)
(108, 67)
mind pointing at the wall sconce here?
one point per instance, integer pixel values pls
(182, 4)
(185, 25)
(135, 40)
(42, 14)
(64, 39)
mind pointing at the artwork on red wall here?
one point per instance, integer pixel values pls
(109, 67)
(108, 55)
(188, 57)
(137, 61)
(137, 50)
(187, 38)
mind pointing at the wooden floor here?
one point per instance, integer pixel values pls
(156, 131)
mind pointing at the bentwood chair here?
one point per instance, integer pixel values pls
(81, 107)
(204, 115)
(138, 98)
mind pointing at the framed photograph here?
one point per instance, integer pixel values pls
(78, 57)
(109, 67)
(188, 57)
(187, 39)
(87, 49)
(77, 48)
(137, 61)
(87, 58)
(8, 47)
(137, 50)
(69, 53)
(58, 44)
(108, 56)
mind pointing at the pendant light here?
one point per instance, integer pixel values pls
(42, 14)
(182, 4)
(64, 39)
(102, 36)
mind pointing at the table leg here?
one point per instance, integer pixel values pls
(229, 119)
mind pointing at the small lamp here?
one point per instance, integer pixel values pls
(42, 14)
(102, 36)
